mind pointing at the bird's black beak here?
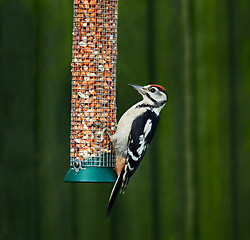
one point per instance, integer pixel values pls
(140, 89)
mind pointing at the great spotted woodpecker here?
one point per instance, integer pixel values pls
(134, 132)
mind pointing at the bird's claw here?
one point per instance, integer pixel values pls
(100, 124)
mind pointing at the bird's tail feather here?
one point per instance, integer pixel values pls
(114, 192)
(124, 183)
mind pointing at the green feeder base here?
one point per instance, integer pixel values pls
(91, 175)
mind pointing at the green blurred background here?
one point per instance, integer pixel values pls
(194, 182)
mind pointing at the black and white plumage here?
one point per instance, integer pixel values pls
(134, 132)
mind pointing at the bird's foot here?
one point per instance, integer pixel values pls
(101, 125)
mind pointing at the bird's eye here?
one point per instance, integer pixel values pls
(152, 90)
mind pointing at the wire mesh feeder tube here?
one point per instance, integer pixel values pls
(94, 54)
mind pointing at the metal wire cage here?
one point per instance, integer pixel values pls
(94, 52)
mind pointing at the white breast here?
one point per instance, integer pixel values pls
(120, 138)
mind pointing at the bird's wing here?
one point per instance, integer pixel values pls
(141, 134)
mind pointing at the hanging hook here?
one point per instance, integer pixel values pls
(77, 165)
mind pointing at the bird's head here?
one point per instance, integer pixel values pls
(153, 95)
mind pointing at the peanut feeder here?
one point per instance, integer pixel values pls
(94, 54)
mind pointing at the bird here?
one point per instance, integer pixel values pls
(133, 134)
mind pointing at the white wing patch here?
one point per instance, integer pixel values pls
(148, 127)
(142, 137)
(132, 155)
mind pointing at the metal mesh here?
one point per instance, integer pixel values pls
(94, 54)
